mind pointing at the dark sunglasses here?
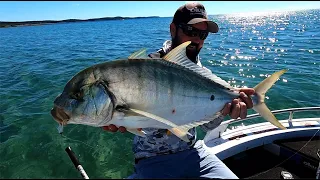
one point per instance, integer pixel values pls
(193, 32)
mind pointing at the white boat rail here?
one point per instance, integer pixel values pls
(218, 131)
(281, 111)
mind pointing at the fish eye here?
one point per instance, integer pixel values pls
(77, 95)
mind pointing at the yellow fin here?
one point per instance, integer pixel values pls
(266, 84)
(178, 53)
(139, 54)
(155, 117)
(136, 132)
(182, 131)
(263, 110)
(261, 90)
(178, 56)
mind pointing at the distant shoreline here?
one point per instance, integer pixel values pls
(4, 24)
(7, 24)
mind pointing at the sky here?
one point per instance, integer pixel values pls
(60, 10)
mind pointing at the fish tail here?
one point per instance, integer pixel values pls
(260, 90)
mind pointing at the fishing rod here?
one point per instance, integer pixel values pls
(76, 163)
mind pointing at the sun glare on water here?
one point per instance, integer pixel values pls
(254, 14)
(259, 18)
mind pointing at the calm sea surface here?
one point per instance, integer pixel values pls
(37, 61)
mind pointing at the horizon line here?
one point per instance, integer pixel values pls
(276, 11)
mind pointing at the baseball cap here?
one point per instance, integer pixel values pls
(193, 13)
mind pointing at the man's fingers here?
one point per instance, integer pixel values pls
(113, 128)
(247, 100)
(248, 91)
(122, 129)
(106, 128)
(243, 110)
(235, 109)
(226, 109)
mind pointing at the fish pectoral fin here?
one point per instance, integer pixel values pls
(152, 116)
(137, 132)
(182, 131)
(130, 113)
(139, 54)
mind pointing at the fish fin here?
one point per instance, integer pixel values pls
(264, 111)
(266, 84)
(130, 113)
(139, 54)
(261, 90)
(136, 132)
(168, 132)
(152, 116)
(178, 55)
(182, 131)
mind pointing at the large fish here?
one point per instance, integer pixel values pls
(167, 93)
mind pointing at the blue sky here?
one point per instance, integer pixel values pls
(59, 10)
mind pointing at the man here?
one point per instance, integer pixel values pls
(162, 154)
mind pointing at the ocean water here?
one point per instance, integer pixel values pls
(37, 61)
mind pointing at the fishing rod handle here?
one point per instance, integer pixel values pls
(76, 163)
(82, 172)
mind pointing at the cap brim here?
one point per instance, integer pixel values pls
(212, 26)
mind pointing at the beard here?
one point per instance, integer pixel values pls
(192, 50)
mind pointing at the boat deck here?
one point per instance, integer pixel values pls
(295, 144)
(261, 163)
(262, 151)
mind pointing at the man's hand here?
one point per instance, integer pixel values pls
(113, 128)
(238, 107)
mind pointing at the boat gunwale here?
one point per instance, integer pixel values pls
(291, 111)
(223, 135)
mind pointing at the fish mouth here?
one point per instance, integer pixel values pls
(59, 115)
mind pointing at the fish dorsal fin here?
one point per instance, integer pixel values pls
(142, 53)
(178, 55)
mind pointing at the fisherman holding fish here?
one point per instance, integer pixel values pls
(162, 154)
(161, 98)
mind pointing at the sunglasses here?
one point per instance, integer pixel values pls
(193, 32)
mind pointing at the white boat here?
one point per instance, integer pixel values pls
(262, 150)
